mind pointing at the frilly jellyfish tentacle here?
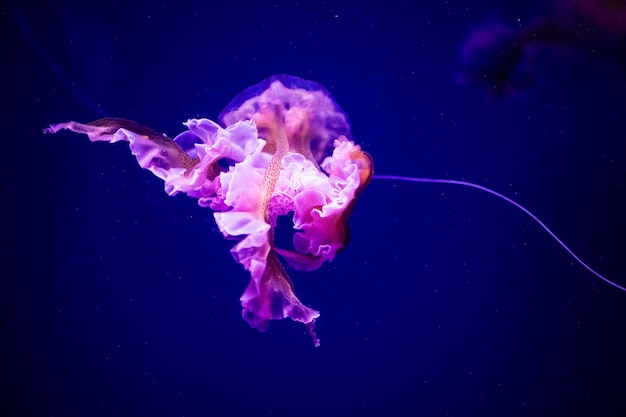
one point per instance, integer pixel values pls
(314, 171)
(510, 201)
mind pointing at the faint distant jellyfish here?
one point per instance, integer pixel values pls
(284, 147)
(493, 56)
(501, 57)
(604, 18)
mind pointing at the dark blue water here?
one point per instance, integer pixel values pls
(120, 300)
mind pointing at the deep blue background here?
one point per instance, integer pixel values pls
(119, 300)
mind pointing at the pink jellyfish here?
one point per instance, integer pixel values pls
(283, 146)
(288, 147)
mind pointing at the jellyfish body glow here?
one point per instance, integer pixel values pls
(288, 150)
(288, 147)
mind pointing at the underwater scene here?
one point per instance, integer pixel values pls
(313, 209)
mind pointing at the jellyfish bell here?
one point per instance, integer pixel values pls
(307, 112)
(289, 151)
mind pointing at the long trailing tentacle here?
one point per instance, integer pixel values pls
(510, 201)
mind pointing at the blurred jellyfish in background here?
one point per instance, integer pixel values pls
(500, 57)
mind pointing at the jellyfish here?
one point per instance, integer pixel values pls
(501, 57)
(281, 148)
